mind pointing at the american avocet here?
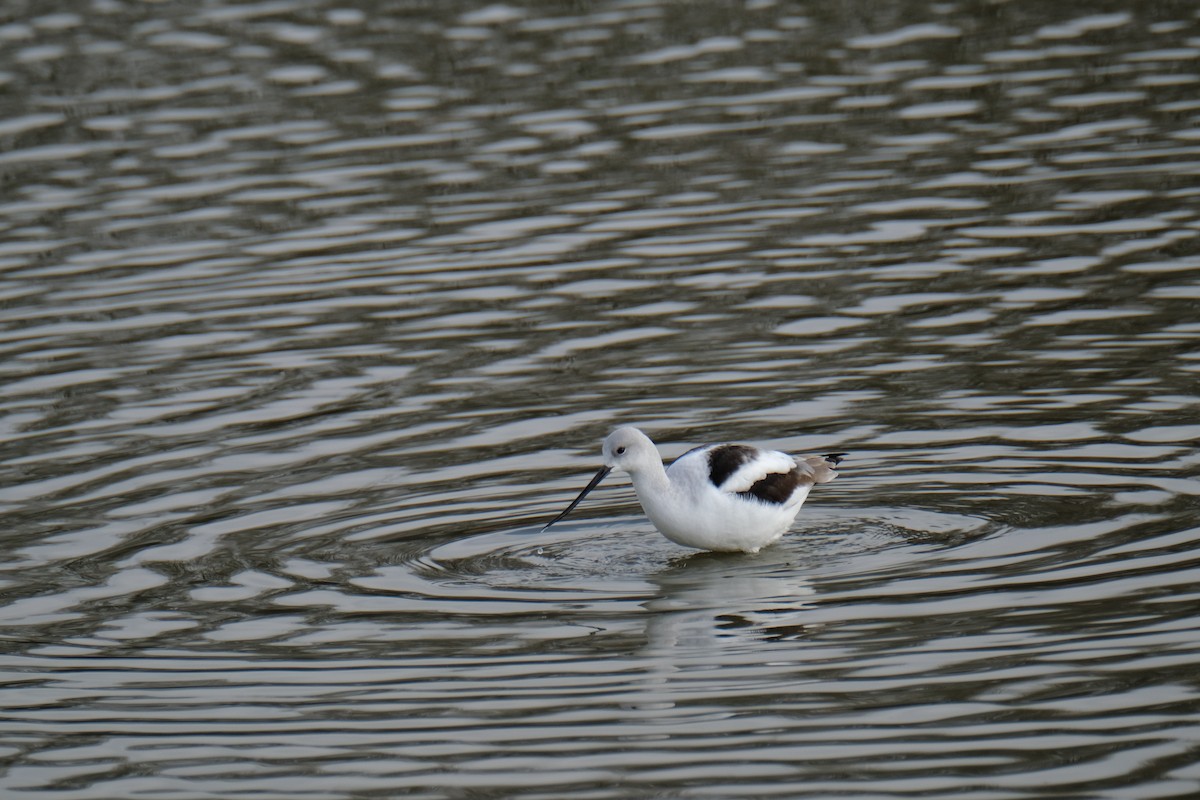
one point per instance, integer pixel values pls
(726, 497)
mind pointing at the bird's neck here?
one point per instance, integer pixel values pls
(651, 478)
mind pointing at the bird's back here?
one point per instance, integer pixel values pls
(768, 475)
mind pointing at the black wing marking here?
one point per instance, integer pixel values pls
(726, 459)
(776, 488)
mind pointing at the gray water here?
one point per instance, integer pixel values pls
(311, 314)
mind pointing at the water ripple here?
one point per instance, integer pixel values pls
(311, 317)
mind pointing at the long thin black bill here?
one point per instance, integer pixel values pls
(591, 485)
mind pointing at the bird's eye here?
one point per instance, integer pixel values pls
(620, 451)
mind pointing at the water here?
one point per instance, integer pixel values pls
(313, 314)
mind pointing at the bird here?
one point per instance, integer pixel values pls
(718, 497)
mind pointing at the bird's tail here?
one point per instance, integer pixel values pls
(823, 467)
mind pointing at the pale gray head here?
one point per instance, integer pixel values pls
(629, 449)
(625, 448)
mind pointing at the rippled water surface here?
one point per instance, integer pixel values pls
(312, 313)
